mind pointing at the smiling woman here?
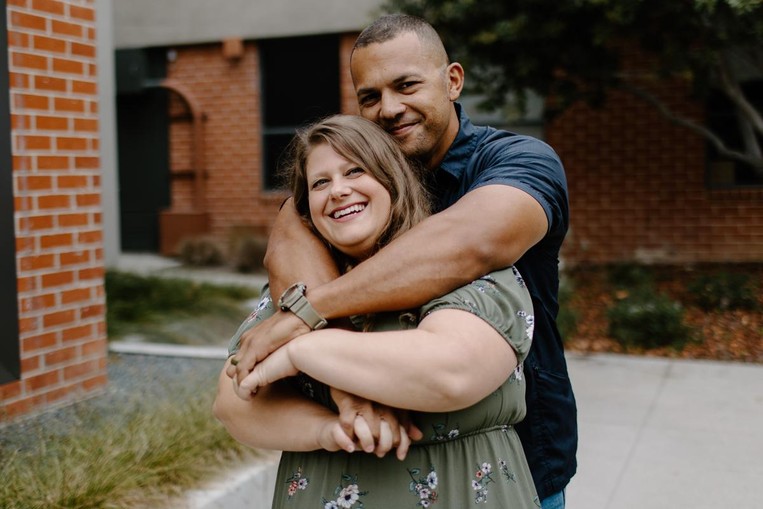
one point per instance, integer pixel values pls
(338, 401)
(346, 188)
(347, 205)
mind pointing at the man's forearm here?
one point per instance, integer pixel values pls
(294, 254)
(488, 229)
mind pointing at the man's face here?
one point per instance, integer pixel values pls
(408, 90)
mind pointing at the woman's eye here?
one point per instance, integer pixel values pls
(319, 184)
(356, 171)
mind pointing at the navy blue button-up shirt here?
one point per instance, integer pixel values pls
(482, 156)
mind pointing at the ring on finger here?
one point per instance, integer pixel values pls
(234, 361)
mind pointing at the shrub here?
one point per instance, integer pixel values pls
(247, 253)
(630, 275)
(648, 319)
(724, 291)
(200, 252)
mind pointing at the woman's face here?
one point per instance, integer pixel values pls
(348, 206)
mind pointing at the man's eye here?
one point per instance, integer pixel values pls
(408, 84)
(367, 100)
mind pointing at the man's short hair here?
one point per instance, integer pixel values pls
(392, 25)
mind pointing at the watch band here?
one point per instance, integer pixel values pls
(293, 299)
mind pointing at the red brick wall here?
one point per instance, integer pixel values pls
(57, 189)
(229, 93)
(638, 192)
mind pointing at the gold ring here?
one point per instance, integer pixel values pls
(234, 361)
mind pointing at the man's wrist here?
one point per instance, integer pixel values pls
(294, 300)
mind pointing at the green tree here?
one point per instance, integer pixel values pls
(572, 50)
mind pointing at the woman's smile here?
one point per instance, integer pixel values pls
(348, 206)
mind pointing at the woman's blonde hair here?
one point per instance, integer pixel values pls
(362, 142)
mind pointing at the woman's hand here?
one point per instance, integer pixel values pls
(260, 341)
(377, 428)
(274, 367)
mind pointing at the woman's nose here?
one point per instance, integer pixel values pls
(340, 188)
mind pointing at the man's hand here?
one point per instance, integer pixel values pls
(377, 428)
(260, 341)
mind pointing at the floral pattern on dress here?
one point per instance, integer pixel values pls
(529, 322)
(297, 482)
(520, 280)
(482, 478)
(503, 466)
(441, 435)
(346, 495)
(485, 284)
(425, 488)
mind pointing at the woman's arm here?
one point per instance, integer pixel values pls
(451, 361)
(279, 418)
(443, 252)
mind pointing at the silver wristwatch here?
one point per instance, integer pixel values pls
(293, 299)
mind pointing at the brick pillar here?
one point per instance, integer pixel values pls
(57, 199)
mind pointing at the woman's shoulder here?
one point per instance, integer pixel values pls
(503, 284)
(501, 299)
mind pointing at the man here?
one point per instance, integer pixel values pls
(502, 200)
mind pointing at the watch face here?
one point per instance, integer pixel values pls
(290, 296)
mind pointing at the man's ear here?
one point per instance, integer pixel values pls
(455, 74)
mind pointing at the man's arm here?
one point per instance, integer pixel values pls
(294, 254)
(488, 229)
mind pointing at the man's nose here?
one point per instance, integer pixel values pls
(391, 107)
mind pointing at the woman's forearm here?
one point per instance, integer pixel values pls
(278, 418)
(450, 362)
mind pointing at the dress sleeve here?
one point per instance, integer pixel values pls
(265, 309)
(502, 300)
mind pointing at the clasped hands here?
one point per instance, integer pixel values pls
(263, 358)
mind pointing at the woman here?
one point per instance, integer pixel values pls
(455, 363)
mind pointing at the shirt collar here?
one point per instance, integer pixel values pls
(462, 147)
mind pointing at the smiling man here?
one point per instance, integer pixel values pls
(501, 200)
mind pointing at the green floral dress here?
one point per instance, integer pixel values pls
(468, 458)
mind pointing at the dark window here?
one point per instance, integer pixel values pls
(300, 84)
(722, 120)
(10, 363)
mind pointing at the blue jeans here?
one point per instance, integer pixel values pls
(554, 501)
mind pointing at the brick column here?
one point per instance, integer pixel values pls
(57, 199)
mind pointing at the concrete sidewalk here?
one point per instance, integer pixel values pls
(662, 433)
(655, 433)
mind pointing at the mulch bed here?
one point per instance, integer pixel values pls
(730, 335)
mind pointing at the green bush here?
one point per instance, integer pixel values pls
(133, 298)
(648, 319)
(724, 291)
(630, 276)
(201, 252)
(247, 253)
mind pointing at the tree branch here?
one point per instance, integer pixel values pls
(717, 142)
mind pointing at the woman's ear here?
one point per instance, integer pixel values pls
(455, 73)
